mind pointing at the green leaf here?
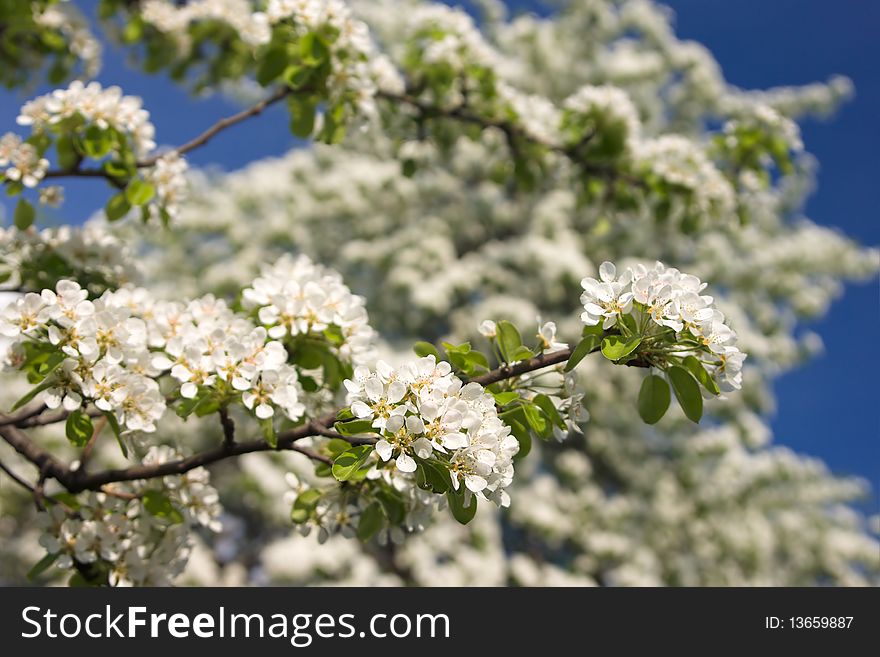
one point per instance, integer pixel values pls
(304, 504)
(391, 501)
(68, 158)
(45, 385)
(138, 192)
(268, 427)
(42, 565)
(583, 348)
(616, 347)
(653, 398)
(423, 349)
(312, 49)
(308, 355)
(687, 391)
(433, 476)
(536, 419)
(695, 367)
(371, 521)
(505, 398)
(349, 462)
(335, 446)
(543, 402)
(24, 214)
(117, 207)
(79, 428)
(302, 116)
(272, 65)
(355, 427)
(117, 431)
(464, 514)
(159, 505)
(509, 340)
(96, 143)
(345, 414)
(521, 433)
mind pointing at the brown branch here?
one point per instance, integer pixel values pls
(79, 480)
(23, 415)
(17, 479)
(47, 464)
(223, 124)
(513, 131)
(522, 367)
(90, 446)
(44, 419)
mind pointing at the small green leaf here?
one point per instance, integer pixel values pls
(371, 521)
(79, 428)
(96, 143)
(272, 65)
(138, 192)
(117, 207)
(41, 566)
(302, 116)
(349, 462)
(117, 431)
(335, 446)
(433, 476)
(304, 505)
(391, 501)
(45, 385)
(464, 514)
(159, 505)
(584, 348)
(355, 427)
(24, 214)
(616, 347)
(509, 340)
(687, 391)
(423, 349)
(522, 435)
(653, 398)
(269, 434)
(695, 367)
(505, 398)
(543, 402)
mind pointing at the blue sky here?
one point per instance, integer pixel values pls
(827, 408)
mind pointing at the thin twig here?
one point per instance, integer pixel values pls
(90, 446)
(16, 478)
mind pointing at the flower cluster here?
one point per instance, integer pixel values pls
(104, 351)
(421, 410)
(138, 533)
(449, 37)
(88, 254)
(94, 105)
(168, 177)
(679, 162)
(665, 298)
(357, 68)
(296, 297)
(174, 19)
(603, 115)
(71, 24)
(207, 347)
(23, 162)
